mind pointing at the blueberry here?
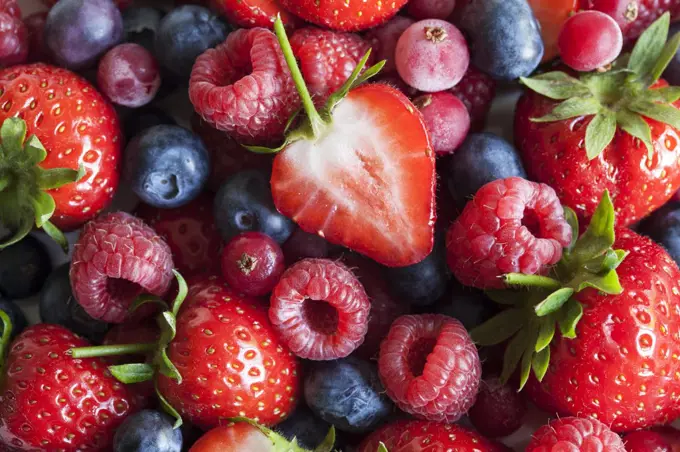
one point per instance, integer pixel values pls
(141, 24)
(663, 226)
(309, 430)
(140, 119)
(348, 394)
(466, 304)
(504, 37)
(482, 158)
(244, 203)
(58, 306)
(16, 316)
(147, 431)
(184, 34)
(24, 267)
(79, 31)
(167, 166)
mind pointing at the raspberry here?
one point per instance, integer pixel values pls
(575, 434)
(647, 12)
(383, 40)
(510, 226)
(476, 90)
(320, 309)
(244, 87)
(327, 58)
(430, 367)
(499, 409)
(116, 258)
(14, 39)
(10, 7)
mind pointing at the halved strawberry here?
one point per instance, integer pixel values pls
(361, 172)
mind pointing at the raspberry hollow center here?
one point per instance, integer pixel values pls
(321, 316)
(531, 221)
(122, 289)
(417, 355)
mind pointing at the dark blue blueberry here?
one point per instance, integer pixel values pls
(77, 32)
(348, 394)
(16, 316)
(184, 34)
(482, 158)
(58, 306)
(504, 37)
(140, 119)
(141, 24)
(166, 166)
(147, 431)
(24, 267)
(244, 203)
(466, 304)
(309, 429)
(663, 226)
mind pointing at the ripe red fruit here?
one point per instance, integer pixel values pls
(116, 258)
(499, 410)
(589, 40)
(446, 118)
(231, 360)
(342, 15)
(128, 75)
(14, 39)
(255, 13)
(383, 40)
(430, 367)
(657, 439)
(634, 16)
(252, 263)
(477, 90)
(45, 391)
(320, 309)
(572, 433)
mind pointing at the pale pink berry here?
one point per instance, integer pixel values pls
(446, 118)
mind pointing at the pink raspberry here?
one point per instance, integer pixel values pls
(477, 90)
(116, 258)
(320, 309)
(430, 367)
(244, 87)
(511, 226)
(14, 39)
(575, 434)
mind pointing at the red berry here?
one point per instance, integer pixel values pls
(302, 244)
(320, 309)
(430, 367)
(244, 87)
(252, 263)
(430, 9)
(624, 12)
(589, 40)
(575, 434)
(432, 55)
(446, 118)
(511, 225)
(499, 410)
(477, 90)
(646, 441)
(383, 40)
(116, 258)
(253, 13)
(10, 7)
(37, 49)
(233, 437)
(128, 75)
(14, 40)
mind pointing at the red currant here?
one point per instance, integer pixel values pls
(252, 263)
(589, 40)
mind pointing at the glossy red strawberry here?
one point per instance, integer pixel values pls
(344, 15)
(255, 13)
(51, 401)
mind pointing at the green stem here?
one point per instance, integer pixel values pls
(315, 120)
(6, 337)
(113, 350)
(520, 279)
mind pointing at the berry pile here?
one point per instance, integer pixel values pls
(293, 225)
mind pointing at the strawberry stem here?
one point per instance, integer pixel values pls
(113, 350)
(6, 336)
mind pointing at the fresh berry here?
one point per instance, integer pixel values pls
(302, 244)
(72, 39)
(663, 226)
(144, 118)
(499, 410)
(551, 16)
(231, 360)
(431, 55)
(116, 258)
(141, 24)
(244, 203)
(572, 433)
(430, 9)
(640, 14)
(167, 166)
(328, 386)
(14, 36)
(81, 400)
(589, 40)
(320, 309)
(16, 317)
(190, 232)
(477, 91)
(624, 12)
(446, 118)
(511, 226)
(657, 439)
(184, 34)
(468, 305)
(504, 36)
(326, 58)
(482, 158)
(243, 87)
(430, 367)
(252, 263)
(383, 40)
(255, 13)
(11, 7)
(121, 4)
(342, 15)
(147, 431)
(24, 267)
(128, 75)
(58, 306)
(303, 425)
(37, 47)
(410, 435)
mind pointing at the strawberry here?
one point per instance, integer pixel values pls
(255, 13)
(71, 128)
(360, 173)
(616, 130)
(600, 331)
(52, 401)
(343, 15)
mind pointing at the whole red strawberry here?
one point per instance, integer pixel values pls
(51, 401)
(616, 131)
(254, 13)
(344, 15)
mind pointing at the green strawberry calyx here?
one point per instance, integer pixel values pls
(538, 306)
(315, 122)
(5, 338)
(24, 186)
(620, 97)
(282, 444)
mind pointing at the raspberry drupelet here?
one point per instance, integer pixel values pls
(575, 434)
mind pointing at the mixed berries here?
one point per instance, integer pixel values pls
(300, 225)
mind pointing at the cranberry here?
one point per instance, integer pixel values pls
(590, 40)
(128, 75)
(498, 410)
(252, 263)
